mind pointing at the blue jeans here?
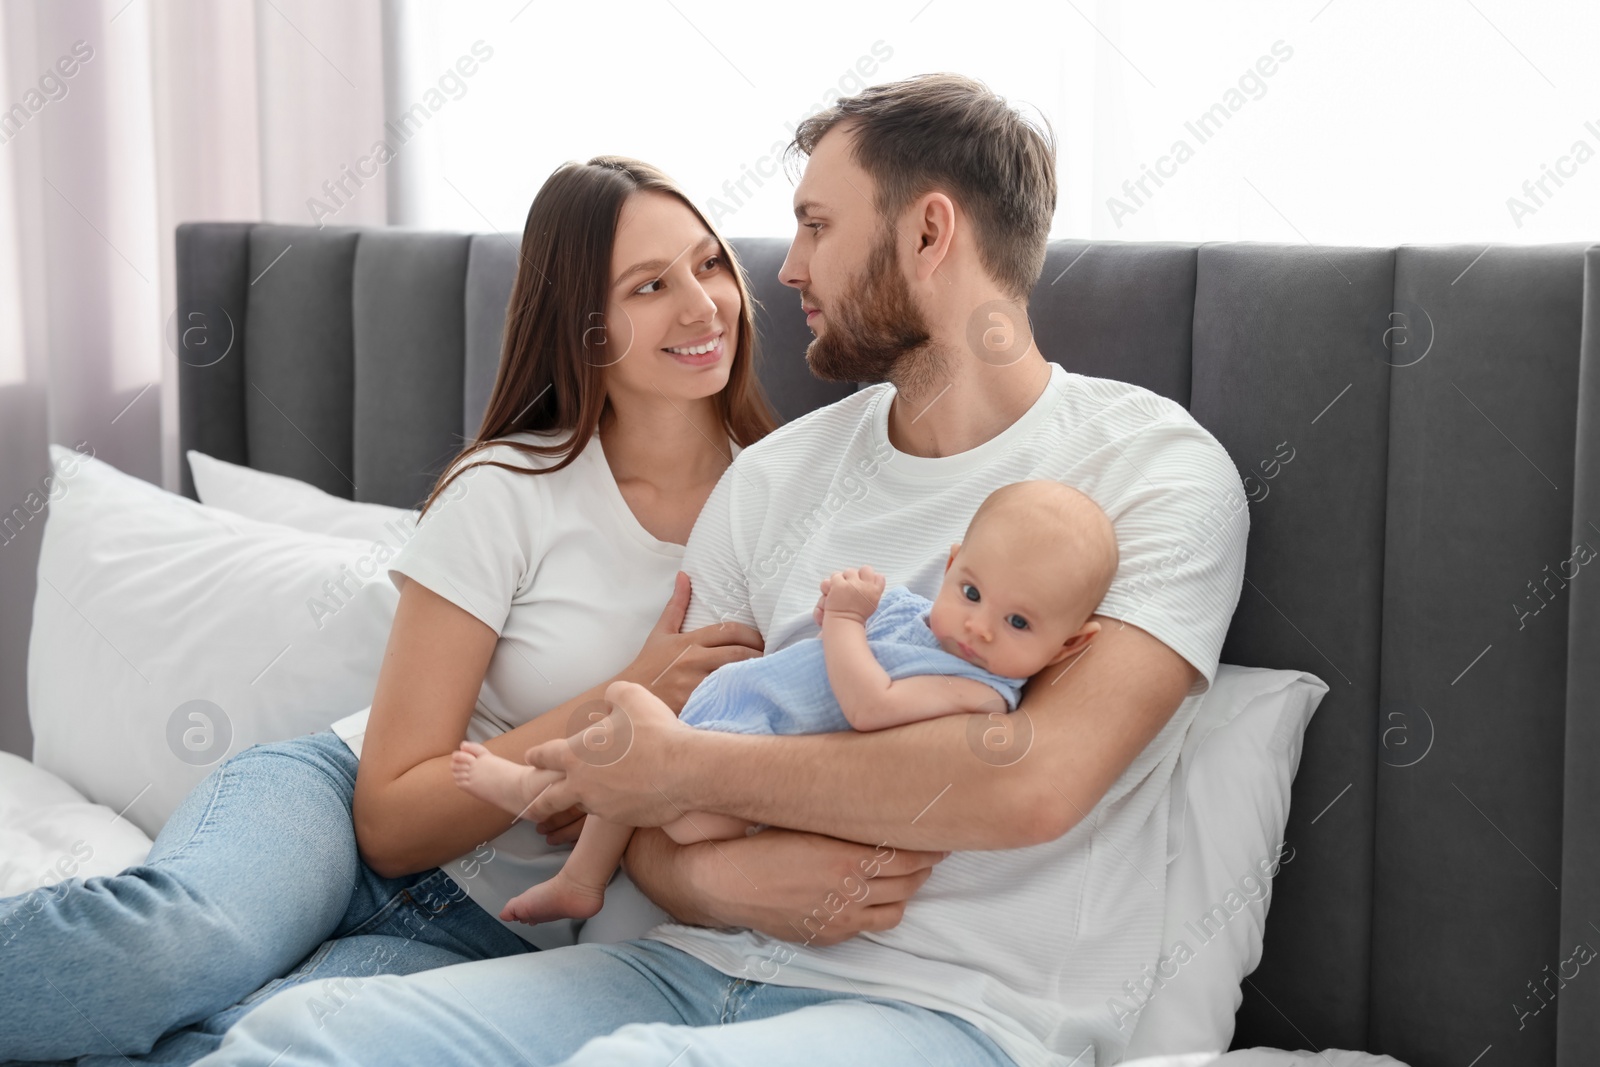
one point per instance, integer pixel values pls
(637, 1002)
(252, 887)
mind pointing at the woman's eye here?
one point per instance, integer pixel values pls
(973, 594)
(645, 288)
(1017, 622)
(712, 264)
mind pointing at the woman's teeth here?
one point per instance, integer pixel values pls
(697, 350)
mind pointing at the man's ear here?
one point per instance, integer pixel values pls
(935, 229)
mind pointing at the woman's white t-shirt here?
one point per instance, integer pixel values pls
(560, 568)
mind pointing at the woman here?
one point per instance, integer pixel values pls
(626, 384)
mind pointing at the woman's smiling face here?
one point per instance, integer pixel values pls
(672, 323)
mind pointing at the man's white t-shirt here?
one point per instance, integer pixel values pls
(1027, 944)
(560, 568)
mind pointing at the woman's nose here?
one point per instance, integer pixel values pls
(698, 305)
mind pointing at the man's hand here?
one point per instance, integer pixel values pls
(618, 766)
(563, 827)
(797, 887)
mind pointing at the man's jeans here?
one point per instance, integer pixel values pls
(639, 1002)
(252, 887)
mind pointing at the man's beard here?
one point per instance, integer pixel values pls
(875, 331)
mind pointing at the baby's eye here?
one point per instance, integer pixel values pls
(973, 594)
(1017, 622)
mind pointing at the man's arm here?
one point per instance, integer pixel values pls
(939, 784)
(792, 886)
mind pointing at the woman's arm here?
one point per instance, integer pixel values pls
(409, 814)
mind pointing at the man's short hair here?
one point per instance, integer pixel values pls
(951, 133)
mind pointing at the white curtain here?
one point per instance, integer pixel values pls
(1331, 121)
(173, 110)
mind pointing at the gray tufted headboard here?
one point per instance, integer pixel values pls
(1420, 434)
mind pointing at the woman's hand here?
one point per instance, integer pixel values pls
(671, 663)
(812, 889)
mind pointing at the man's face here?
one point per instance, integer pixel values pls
(844, 261)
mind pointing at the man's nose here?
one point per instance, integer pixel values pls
(792, 272)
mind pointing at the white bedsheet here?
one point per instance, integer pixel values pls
(1268, 1057)
(49, 832)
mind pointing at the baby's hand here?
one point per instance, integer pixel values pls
(853, 593)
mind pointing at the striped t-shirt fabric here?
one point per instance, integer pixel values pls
(1029, 944)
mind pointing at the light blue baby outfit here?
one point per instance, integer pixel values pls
(788, 692)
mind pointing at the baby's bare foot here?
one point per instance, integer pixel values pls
(507, 785)
(558, 898)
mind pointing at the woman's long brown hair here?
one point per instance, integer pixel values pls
(551, 374)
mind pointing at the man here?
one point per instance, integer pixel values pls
(922, 220)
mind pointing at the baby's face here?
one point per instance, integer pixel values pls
(999, 614)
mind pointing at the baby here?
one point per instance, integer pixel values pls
(1016, 597)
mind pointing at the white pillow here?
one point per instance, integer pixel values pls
(49, 832)
(168, 634)
(291, 502)
(1230, 805)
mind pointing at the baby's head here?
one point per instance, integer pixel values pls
(1019, 590)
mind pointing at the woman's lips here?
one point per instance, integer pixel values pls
(695, 342)
(704, 359)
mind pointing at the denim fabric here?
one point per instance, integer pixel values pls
(253, 886)
(637, 1002)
